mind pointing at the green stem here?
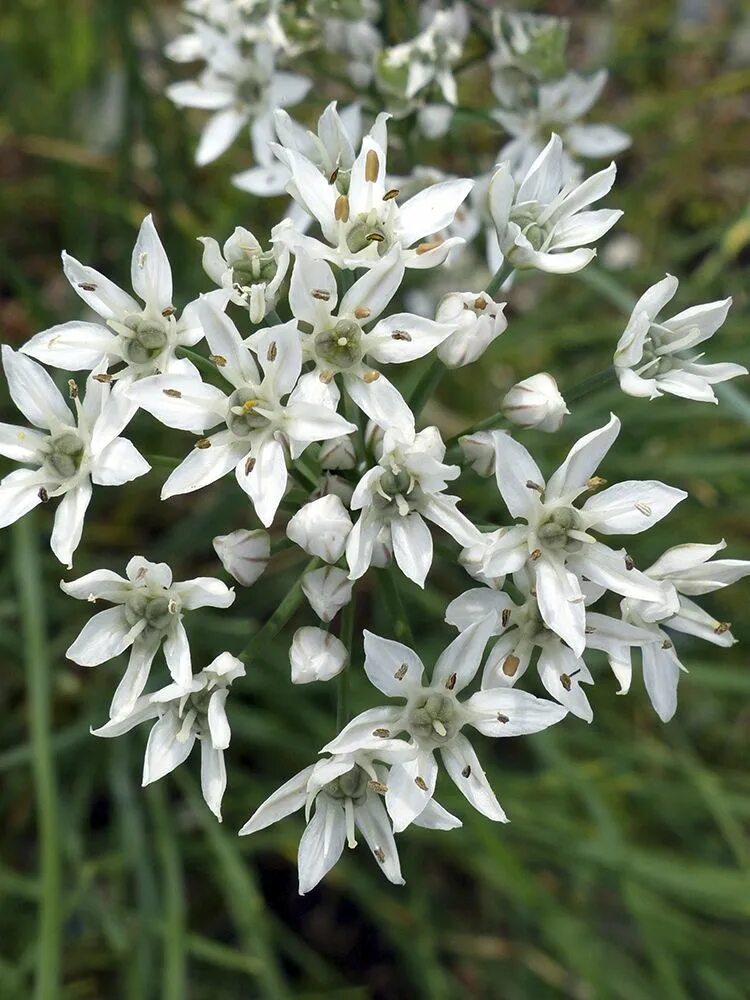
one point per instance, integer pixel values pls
(280, 617)
(590, 384)
(34, 629)
(348, 619)
(174, 970)
(395, 605)
(163, 461)
(499, 278)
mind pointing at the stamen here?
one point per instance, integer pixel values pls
(480, 304)
(73, 388)
(378, 786)
(502, 718)
(643, 508)
(43, 494)
(510, 665)
(374, 237)
(450, 684)
(341, 209)
(530, 485)
(272, 351)
(203, 443)
(169, 311)
(172, 393)
(370, 377)
(249, 466)
(536, 554)
(218, 359)
(420, 783)
(379, 854)
(389, 195)
(382, 733)
(466, 773)
(595, 483)
(321, 293)
(629, 562)
(334, 176)
(361, 312)
(505, 617)
(721, 627)
(401, 672)
(349, 814)
(401, 335)
(249, 405)
(426, 247)
(104, 377)
(87, 286)
(325, 377)
(439, 728)
(372, 166)
(667, 644)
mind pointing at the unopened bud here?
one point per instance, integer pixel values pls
(316, 655)
(535, 402)
(321, 528)
(476, 320)
(327, 589)
(244, 554)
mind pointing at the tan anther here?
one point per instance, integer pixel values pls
(272, 351)
(426, 247)
(510, 665)
(370, 377)
(172, 393)
(203, 443)
(401, 335)
(451, 682)
(87, 286)
(401, 672)
(218, 359)
(334, 176)
(721, 627)
(667, 644)
(390, 195)
(341, 209)
(321, 293)
(169, 311)
(378, 786)
(480, 304)
(505, 617)
(536, 554)
(595, 483)
(566, 681)
(73, 388)
(420, 783)
(249, 466)
(325, 377)
(374, 237)
(103, 377)
(361, 312)
(383, 734)
(643, 508)
(372, 166)
(249, 405)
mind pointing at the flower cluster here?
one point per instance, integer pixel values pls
(280, 371)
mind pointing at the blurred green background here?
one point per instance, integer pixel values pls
(624, 871)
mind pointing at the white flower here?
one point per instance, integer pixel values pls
(240, 89)
(244, 554)
(251, 275)
(542, 223)
(321, 528)
(349, 29)
(257, 423)
(363, 225)
(479, 452)
(559, 106)
(338, 453)
(316, 655)
(556, 543)
(327, 589)
(142, 339)
(477, 319)
(346, 791)
(68, 452)
(528, 47)
(522, 631)
(406, 486)
(343, 340)
(434, 718)
(148, 612)
(184, 713)
(688, 570)
(535, 402)
(649, 358)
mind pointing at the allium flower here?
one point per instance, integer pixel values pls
(327, 589)
(542, 223)
(559, 106)
(142, 339)
(346, 792)
(148, 612)
(522, 631)
(257, 423)
(321, 528)
(250, 274)
(529, 49)
(364, 225)
(477, 319)
(343, 340)
(406, 486)
(535, 402)
(649, 358)
(244, 554)
(434, 718)
(240, 89)
(688, 570)
(186, 713)
(348, 28)
(556, 543)
(68, 452)
(316, 655)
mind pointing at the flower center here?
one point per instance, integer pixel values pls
(65, 454)
(365, 230)
(146, 340)
(352, 785)
(249, 92)
(434, 718)
(253, 268)
(156, 611)
(341, 346)
(554, 532)
(242, 418)
(657, 364)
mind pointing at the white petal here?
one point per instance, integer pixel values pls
(283, 802)
(34, 392)
(661, 674)
(514, 470)
(312, 291)
(375, 289)
(321, 528)
(180, 401)
(205, 465)
(97, 291)
(372, 820)
(432, 209)
(135, 678)
(462, 764)
(265, 483)
(150, 271)
(459, 662)
(218, 724)
(370, 730)
(630, 507)
(561, 672)
(327, 590)
(474, 605)
(103, 637)
(177, 654)
(321, 844)
(76, 346)
(120, 462)
(405, 337)
(316, 655)
(434, 817)
(503, 712)
(213, 777)
(583, 460)
(101, 584)
(22, 444)
(561, 603)
(218, 135)
(225, 343)
(381, 401)
(244, 554)
(411, 785)
(412, 547)
(204, 592)
(68, 527)
(164, 751)
(390, 666)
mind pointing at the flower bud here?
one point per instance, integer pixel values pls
(477, 319)
(244, 554)
(474, 558)
(316, 655)
(321, 528)
(327, 589)
(479, 451)
(535, 402)
(338, 453)
(330, 484)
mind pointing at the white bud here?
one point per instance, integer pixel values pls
(331, 484)
(244, 554)
(316, 655)
(374, 435)
(479, 451)
(321, 528)
(327, 589)
(338, 453)
(535, 402)
(477, 319)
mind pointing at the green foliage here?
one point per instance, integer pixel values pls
(624, 871)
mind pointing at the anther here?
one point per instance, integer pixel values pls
(643, 508)
(361, 312)
(334, 176)
(722, 627)
(172, 393)
(426, 247)
(342, 342)
(321, 293)
(325, 377)
(401, 335)
(536, 554)
(87, 286)
(566, 681)
(374, 237)
(451, 682)
(169, 311)
(466, 771)
(502, 718)
(43, 494)
(390, 195)
(218, 359)
(341, 209)
(531, 485)
(379, 854)
(401, 672)
(203, 443)
(439, 728)
(249, 466)
(382, 733)
(595, 483)
(505, 617)
(372, 166)
(104, 377)
(667, 644)
(370, 377)
(480, 304)
(510, 665)
(629, 562)
(420, 783)
(73, 388)
(378, 786)
(272, 351)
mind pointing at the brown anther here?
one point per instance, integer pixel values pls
(374, 237)
(420, 783)
(451, 682)
(249, 466)
(370, 377)
(87, 286)
(379, 854)
(589, 629)
(531, 485)
(43, 494)
(218, 359)
(629, 562)
(169, 311)
(172, 393)
(480, 304)
(502, 718)
(390, 195)
(595, 483)
(401, 672)
(667, 644)
(73, 388)
(103, 377)
(203, 443)
(361, 312)
(426, 247)
(341, 209)
(382, 733)
(325, 377)
(510, 665)
(401, 335)
(722, 627)
(334, 176)
(566, 681)
(372, 166)
(272, 351)
(505, 617)
(536, 554)
(466, 771)
(378, 786)
(321, 293)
